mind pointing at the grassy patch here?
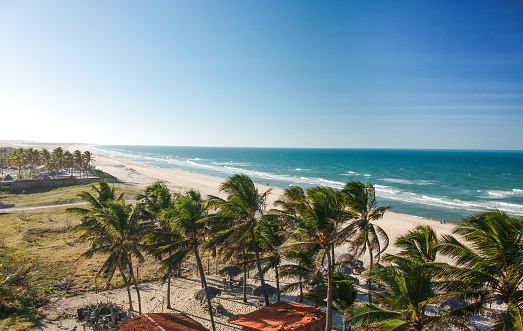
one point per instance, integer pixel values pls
(20, 321)
(41, 247)
(56, 196)
(102, 174)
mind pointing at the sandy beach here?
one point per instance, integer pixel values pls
(60, 312)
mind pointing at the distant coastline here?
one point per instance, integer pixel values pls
(440, 184)
(435, 184)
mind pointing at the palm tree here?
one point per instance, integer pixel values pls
(270, 235)
(87, 159)
(343, 292)
(68, 161)
(157, 198)
(410, 284)
(303, 268)
(488, 267)
(116, 229)
(78, 161)
(58, 158)
(18, 158)
(104, 193)
(243, 209)
(420, 245)
(45, 154)
(96, 202)
(362, 203)
(321, 212)
(186, 236)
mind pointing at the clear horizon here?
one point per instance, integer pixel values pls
(294, 74)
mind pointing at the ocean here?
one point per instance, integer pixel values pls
(439, 184)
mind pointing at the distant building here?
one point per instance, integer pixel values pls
(161, 322)
(281, 316)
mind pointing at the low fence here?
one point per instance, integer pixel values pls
(17, 185)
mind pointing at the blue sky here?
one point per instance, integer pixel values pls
(356, 74)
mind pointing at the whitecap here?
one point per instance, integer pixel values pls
(396, 194)
(408, 182)
(498, 194)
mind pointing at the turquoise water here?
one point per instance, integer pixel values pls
(440, 184)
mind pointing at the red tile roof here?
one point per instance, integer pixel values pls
(280, 316)
(161, 322)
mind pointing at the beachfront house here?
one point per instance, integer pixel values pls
(281, 316)
(161, 322)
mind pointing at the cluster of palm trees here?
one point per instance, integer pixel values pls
(298, 239)
(53, 161)
(486, 269)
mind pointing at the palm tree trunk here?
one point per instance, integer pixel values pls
(277, 280)
(369, 282)
(169, 290)
(333, 259)
(328, 321)
(135, 287)
(258, 263)
(244, 283)
(202, 277)
(301, 289)
(128, 288)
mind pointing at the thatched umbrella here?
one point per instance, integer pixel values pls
(271, 290)
(230, 271)
(213, 291)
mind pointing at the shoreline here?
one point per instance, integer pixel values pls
(141, 175)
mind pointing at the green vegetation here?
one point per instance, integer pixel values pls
(55, 161)
(110, 238)
(39, 247)
(101, 174)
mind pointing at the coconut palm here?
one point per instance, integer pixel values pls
(104, 193)
(242, 210)
(116, 229)
(46, 155)
(343, 292)
(68, 161)
(18, 158)
(321, 212)
(303, 268)
(410, 283)
(186, 236)
(270, 235)
(88, 158)
(489, 267)
(78, 161)
(420, 245)
(367, 237)
(58, 158)
(96, 202)
(157, 198)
